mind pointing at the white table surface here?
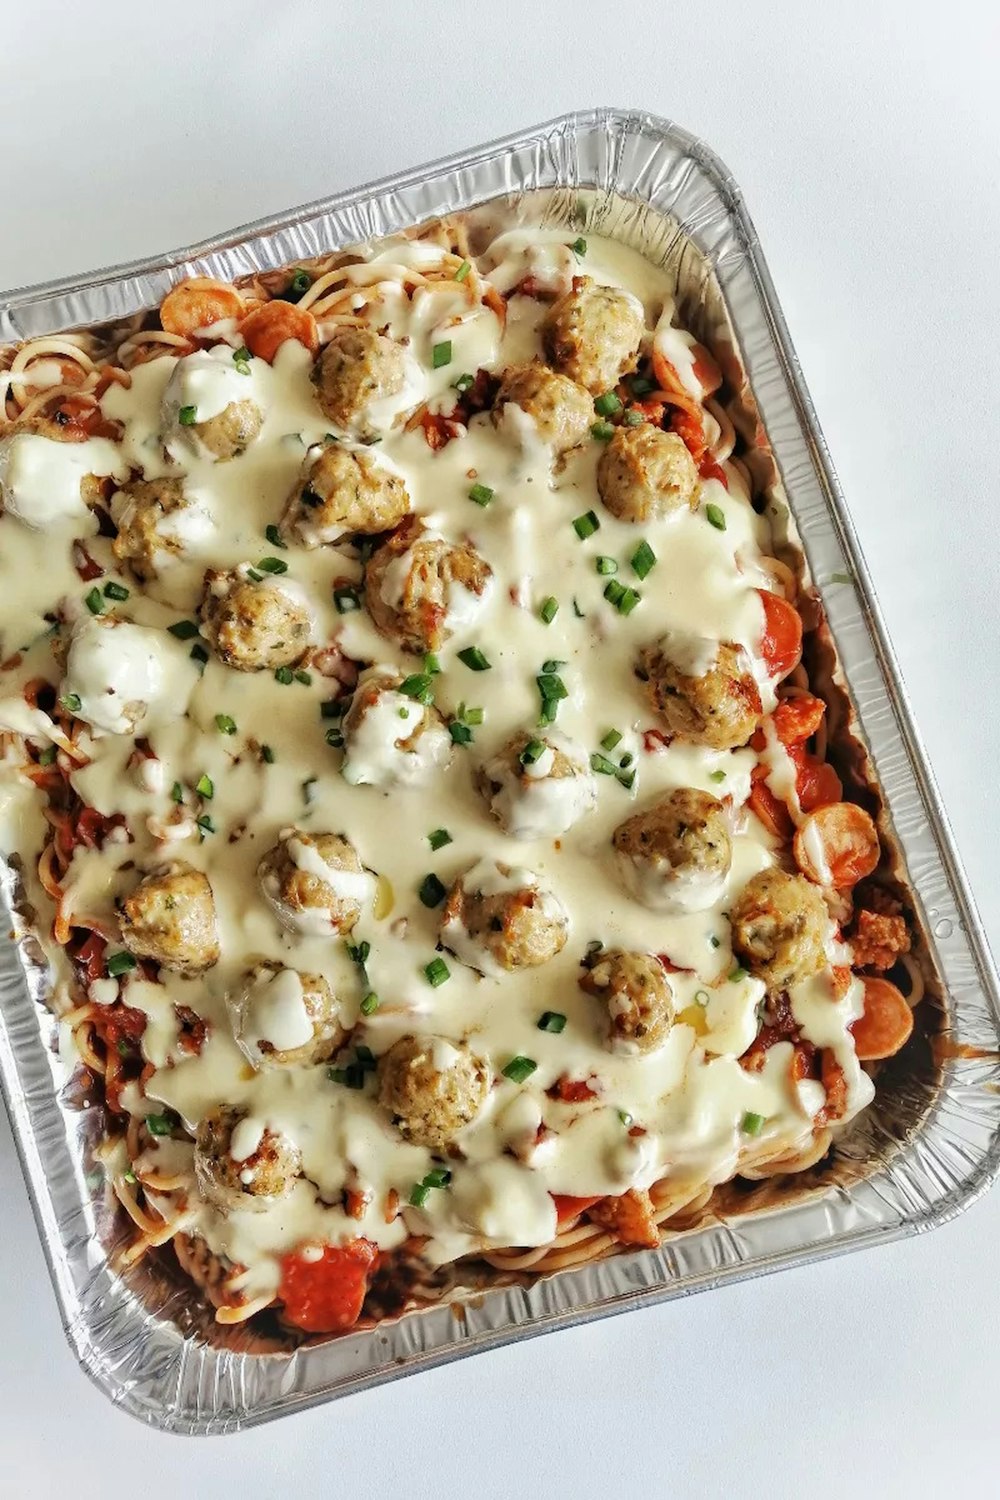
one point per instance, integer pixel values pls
(866, 137)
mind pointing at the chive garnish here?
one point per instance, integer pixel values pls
(419, 1194)
(120, 963)
(419, 685)
(752, 1124)
(183, 630)
(157, 1124)
(643, 560)
(297, 287)
(432, 892)
(441, 354)
(284, 675)
(205, 787)
(115, 591)
(71, 702)
(187, 416)
(602, 765)
(549, 610)
(474, 659)
(460, 733)
(94, 601)
(579, 247)
(177, 792)
(532, 752)
(716, 776)
(586, 525)
(605, 566)
(481, 494)
(274, 536)
(608, 405)
(463, 270)
(519, 1068)
(715, 516)
(552, 1020)
(47, 756)
(463, 383)
(603, 432)
(273, 565)
(241, 359)
(205, 824)
(436, 972)
(633, 418)
(369, 1004)
(267, 755)
(346, 600)
(438, 838)
(199, 653)
(611, 739)
(224, 724)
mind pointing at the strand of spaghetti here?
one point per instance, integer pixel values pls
(228, 1313)
(725, 441)
(917, 984)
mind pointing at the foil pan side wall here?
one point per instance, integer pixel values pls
(655, 187)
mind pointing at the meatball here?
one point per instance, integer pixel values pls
(392, 741)
(779, 927)
(561, 410)
(170, 918)
(675, 856)
(282, 1018)
(497, 919)
(636, 997)
(208, 406)
(241, 1163)
(341, 491)
(254, 624)
(421, 588)
(357, 367)
(156, 522)
(314, 883)
(46, 474)
(536, 788)
(432, 1088)
(645, 474)
(592, 334)
(231, 432)
(719, 706)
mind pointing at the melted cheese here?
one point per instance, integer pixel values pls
(690, 1095)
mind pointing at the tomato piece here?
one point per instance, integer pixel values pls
(771, 811)
(270, 326)
(781, 641)
(816, 782)
(837, 845)
(89, 957)
(571, 1090)
(689, 429)
(568, 1209)
(327, 1294)
(886, 1023)
(197, 303)
(797, 719)
(708, 468)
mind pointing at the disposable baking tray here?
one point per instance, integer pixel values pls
(931, 1142)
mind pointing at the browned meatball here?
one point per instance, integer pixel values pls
(392, 741)
(314, 883)
(675, 856)
(156, 522)
(432, 1088)
(720, 708)
(420, 588)
(561, 410)
(645, 474)
(537, 786)
(497, 919)
(358, 366)
(241, 1163)
(67, 486)
(170, 918)
(341, 491)
(255, 625)
(231, 432)
(779, 925)
(592, 334)
(283, 1018)
(637, 999)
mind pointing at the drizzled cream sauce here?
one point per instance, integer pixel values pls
(691, 1095)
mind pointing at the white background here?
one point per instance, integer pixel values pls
(866, 138)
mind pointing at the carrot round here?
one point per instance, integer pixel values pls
(837, 845)
(270, 326)
(197, 303)
(816, 782)
(886, 1023)
(781, 641)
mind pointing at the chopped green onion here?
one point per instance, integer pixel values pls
(309, 790)
(183, 630)
(626, 761)
(432, 892)
(519, 1068)
(204, 786)
(615, 592)
(331, 708)
(471, 715)
(550, 685)
(431, 664)
(346, 600)
(177, 792)
(714, 940)
(641, 385)
(624, 599)
(532, 752)
(71, 702)
(715, 516)
(436, 972)
(461, 734)
(187, 416)
(602, 765)
(120, 963)
(439, 838)
(608, 405)
(284, 675)
(257, 577)
(273, 565)
(351, 1077)
(579, 247)
(205, 824)
(716, 776)
(47, 756)
(737, 974)
(633, 418)
(304, 677)
(463, 270)
(115, 591)
(552, 664)
(463, 383)
(611, 739)
(437, 1177)
(626, 779)
(474, 659)
(752, 1124)
(224, 724)
(369, 1005)
(586, 525)
(580, 614)
(625, 1117)
(643, 560)
(549, 609)
(552, 1020)
(603, 432)
(419, 685)
(419, 1194)
(297, 287)
(701, 997)
(158, 1124)
(441, 354)
(267, 755)
(605, 566)
(94, 601)
(481, 494)
(274, 537)
(366, 1058)
(199, 654)
(241, 359)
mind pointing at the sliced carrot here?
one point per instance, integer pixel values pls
(886, 1023)
(837, 845)
(325, 1293)
(781, 641)
(816, 782)
(270, 326)
(797, 719)
(197, 303)
(568, 1209)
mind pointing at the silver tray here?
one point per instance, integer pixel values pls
(931, 1142)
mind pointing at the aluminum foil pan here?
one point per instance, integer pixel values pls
(930, 1143)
